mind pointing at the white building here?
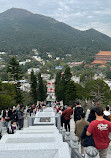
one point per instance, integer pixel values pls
(75, 79)
(68, 55)
(98, 76)
(2, 66)
(2, 53)
(49, 55)
(22, 63)
(57, 58)
(35, 51)
(36, 70)
(109, 83)
(28, 60)
(45, 76)
(37, 58)
(42, 62)
(25, 87)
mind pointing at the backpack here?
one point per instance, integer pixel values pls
(78, 113)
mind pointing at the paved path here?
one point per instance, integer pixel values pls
(72, 124)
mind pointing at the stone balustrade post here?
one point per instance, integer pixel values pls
(63, 134)
(91, 152)
(67, 137)
(29, 121)
(61, 129)
(74, 145)
(58, 119)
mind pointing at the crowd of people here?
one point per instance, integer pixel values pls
(95, 130)
(12, 119)
(90, 131)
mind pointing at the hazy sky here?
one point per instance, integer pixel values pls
(80, 14)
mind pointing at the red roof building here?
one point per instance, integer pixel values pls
(102, 58)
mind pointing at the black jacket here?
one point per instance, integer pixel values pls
(9, 115)
(88, 140)
(91, 116)
(106, 117)
(77, 113)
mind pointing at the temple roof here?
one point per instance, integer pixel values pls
(99, 62)
(104, 53)
(102, 66)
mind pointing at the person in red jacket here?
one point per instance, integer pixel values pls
(67, 114)
(100, 129)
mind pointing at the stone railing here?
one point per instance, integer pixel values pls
(90, 152)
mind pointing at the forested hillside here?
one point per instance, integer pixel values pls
(21, 31)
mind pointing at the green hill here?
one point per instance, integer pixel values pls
(21, 30)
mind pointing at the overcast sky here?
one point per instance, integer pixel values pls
(80, 14)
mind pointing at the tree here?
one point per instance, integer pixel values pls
(27, 99)
(33, 87)
(19, 97)
(70, 93)
(86, 75)
(98, 90)
(81, 92)
(41, 88)
(59, 87)
(108, 74)
(61, 84)
(13, 69)
(7, 95)
(67, 75)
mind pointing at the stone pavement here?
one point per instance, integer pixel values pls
(25, 144)
(72, 124)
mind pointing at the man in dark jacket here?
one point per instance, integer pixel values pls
(78, 111)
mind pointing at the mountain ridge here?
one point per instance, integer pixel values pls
(21, 31)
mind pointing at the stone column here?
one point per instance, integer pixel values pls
(91, 152)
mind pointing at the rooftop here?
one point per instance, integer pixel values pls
(104, 53)
(99, 62)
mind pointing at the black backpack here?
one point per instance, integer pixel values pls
(78, 112)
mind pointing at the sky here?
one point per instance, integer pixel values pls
(80, 14)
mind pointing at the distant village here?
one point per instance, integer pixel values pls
(100, 59)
